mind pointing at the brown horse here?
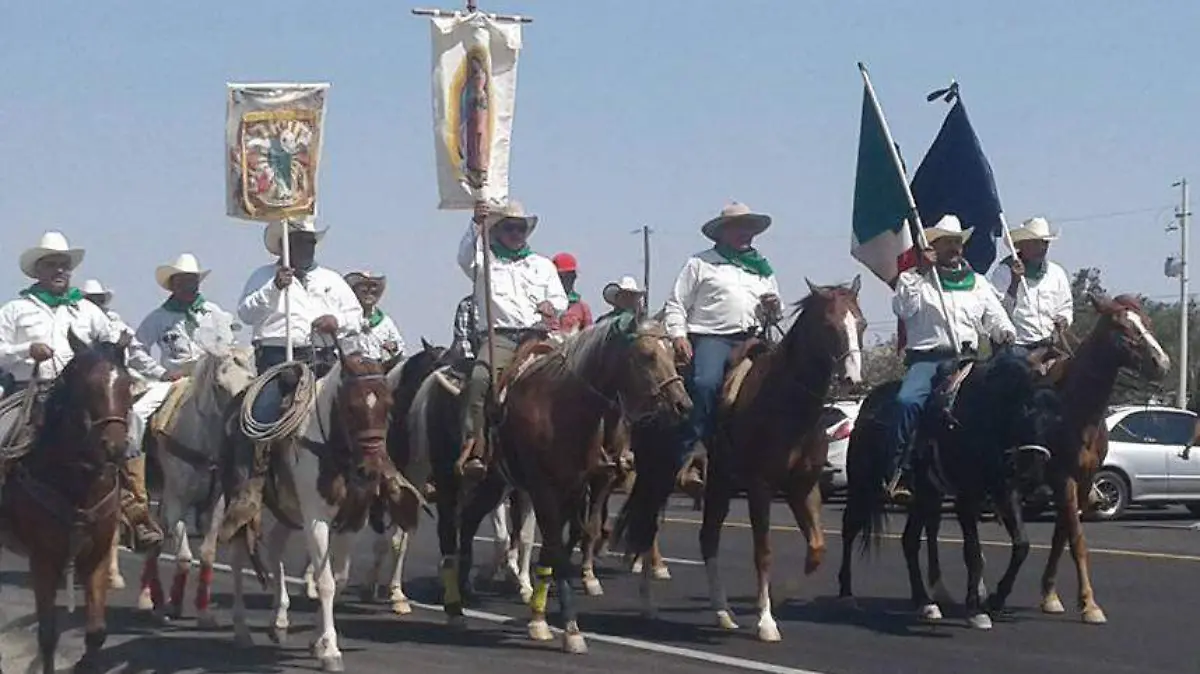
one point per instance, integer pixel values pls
(1121, 339)
(768, 437)
(60, 504)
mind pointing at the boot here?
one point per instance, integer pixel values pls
(896, 490)
(470, 466)
(135, 505)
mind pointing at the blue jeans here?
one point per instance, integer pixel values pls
(906, 413)
(710, 354)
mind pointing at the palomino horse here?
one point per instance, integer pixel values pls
(550, 436)
(60, 505)
(768, 437)
(188, 452)
(1122, 338)
(315, 478)
(987, 447)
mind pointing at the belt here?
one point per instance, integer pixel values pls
(297, 351)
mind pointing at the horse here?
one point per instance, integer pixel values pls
(1122, 338)
(60, 506)
(988, 446)
(550, 436)
(188, 454)
(316, 482)
(768, 438)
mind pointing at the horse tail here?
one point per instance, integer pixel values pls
(865, 512)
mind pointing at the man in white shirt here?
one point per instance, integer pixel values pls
(385, 343)
(526, 294)
(974, 312)
(321, 304)
(720, 299)
(1044, 306)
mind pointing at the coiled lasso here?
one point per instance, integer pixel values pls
(293, 418)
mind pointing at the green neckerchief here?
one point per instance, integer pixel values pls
(509, 254)
(191, 311)
(375, 318)
(68, 299)
(573, 297)
(1033, 272)
(614, 314)
(962, 278)
(749, 260)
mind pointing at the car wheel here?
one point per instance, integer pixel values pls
(1114, 495)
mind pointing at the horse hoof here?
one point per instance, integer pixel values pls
(526, 594)
(145, 601)
(242, 638)
(1094, 616)
(592, 587)
(847, 602)
(725, 621)
(116, 582)
(540, 631)
(401, 607)
(637, 566)
(980, 621)
(278, 635)
(310, 590)
(574, 644)
(332, 663)
(86, 665)
(1053, 605)
(769, 633)
(662, 573)
(930, 613)
(457, 622)
(207, 621)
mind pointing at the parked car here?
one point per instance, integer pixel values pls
(838, 420)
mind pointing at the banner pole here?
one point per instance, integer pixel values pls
(286, 261)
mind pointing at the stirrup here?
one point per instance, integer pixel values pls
(896, 491)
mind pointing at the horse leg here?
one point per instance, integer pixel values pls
(237, 563)
(277, 540)
(967, 510)
(399, 545)
(526, 522)
(805, 503)
(447, 529)
(183, 564)
(116, 581)
(96, 631)
(716, 509)
(1008, 508)
(1078, 493)
(915, 523)
(933, 526)
(554, 563)
(591, 535)
(482, 500)
(658, 565)
(208, 556)
(500, 544)
(325, 648)
(1051, 603)
(310, 585)
(339, 560)
(853, 521)
(759, 502)
(45, 591)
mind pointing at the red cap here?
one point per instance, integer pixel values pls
(564, 262)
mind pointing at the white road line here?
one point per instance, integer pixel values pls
(637, 644)
(670, 560)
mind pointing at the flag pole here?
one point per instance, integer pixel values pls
(286, 260)
(914, 216)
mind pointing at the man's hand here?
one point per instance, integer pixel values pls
(391, 346)
(481, 212)
(283, 277)
(1017, 267)
(683, 349)
(546, 309)
(1060, 324)
(927, 259)
(40, 352)
(326, 325)
(770, 304)
(173, 376)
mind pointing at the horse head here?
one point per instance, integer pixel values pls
(1024, 418)
(830, 325)
(364, 402)
(92, 398)
(235, 371)
(1127, 331)
(649, 385)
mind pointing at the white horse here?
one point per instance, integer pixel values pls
(188, 453)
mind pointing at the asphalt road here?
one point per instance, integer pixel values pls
(1144, 571)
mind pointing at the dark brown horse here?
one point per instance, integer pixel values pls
(1121, 339)
(60, 504)
(768, 438)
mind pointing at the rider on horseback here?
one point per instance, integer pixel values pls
(722, 297)
(578, 314)
(380, 327)
(526, 295)
(624, 296)
(974, 309)
(1045, 307)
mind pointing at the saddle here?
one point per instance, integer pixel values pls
(737, 367)
(946, 385)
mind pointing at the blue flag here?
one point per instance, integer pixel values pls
(955, 178)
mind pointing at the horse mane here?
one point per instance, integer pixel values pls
(57, 398)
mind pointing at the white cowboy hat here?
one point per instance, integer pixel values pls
(1033, 229)
(947, 226)
(512, 210)
(184, 264)
(356, 277)
(94, 287)
(52, 243)
(627, 284)
(273, 236)
(736, 211)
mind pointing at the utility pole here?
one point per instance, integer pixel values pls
(645, 232)
(1184, 306)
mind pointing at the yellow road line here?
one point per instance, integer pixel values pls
(1114, 552)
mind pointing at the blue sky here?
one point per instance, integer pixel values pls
(112, 121)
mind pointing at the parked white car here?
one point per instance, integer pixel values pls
(1150, 460)
(838, 420)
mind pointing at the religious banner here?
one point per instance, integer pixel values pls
(474, 95)
(272, 148)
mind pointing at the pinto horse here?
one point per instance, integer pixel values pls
(1121, 339)
(61, 503)
(768, 436)
(988, 447)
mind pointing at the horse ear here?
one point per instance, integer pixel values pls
(856, 284)
(812, 288)
(124, 340)
(425, 345)
(77, 345)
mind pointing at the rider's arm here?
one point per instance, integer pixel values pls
(907, 301)
(12, 352)
(346, 308)
(996, 322)
(553, 287)
(1001, 282)
(470, 254)
(260, 297)
(1064, 301)
(390, 332)
(679, 302)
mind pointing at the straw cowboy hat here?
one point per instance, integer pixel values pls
(273, 236)
(52, 243)
(184, 264)
(513, 210)
(627, 285)
(1033, 229)
(736, 212)
(356, 277)
(94, 287)
(947, 226)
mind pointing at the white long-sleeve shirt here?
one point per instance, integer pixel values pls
(381, 334)
(323, 293)
(715, 297)
(171, 333)
(975, 313)
(1035, 307)
(138, 353)
(26, 321)
(518, 286)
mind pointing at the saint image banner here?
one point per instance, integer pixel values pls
(272, 148)
(474, 95)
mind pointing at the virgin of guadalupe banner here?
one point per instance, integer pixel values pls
(272, 149)
(474, 94)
